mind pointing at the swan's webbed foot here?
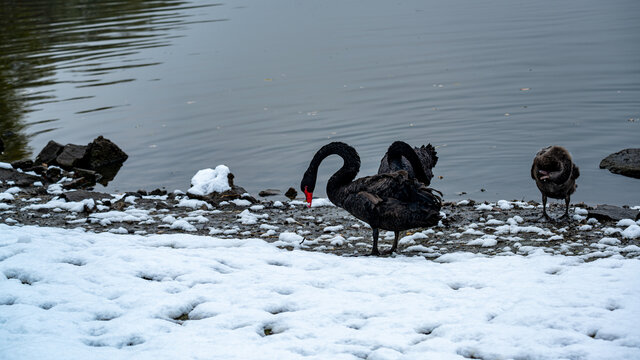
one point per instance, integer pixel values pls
(546, 217)
(565, 218)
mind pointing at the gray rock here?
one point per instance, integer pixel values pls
(610, 212)
(71, 156)
(236, 192)
(625, 162)
(102, 152)
(49, 153)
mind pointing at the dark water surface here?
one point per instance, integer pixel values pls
(261, 85)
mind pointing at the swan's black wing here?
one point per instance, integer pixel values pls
(575, 172)
(392, 201)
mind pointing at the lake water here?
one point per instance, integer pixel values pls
(261, 85)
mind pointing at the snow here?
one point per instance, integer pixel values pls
(130, 215)
(625, 222)
(241, 202)
(485, 241)
(4, 165)
(13, 190)
(580, 211)
(289, 238)
(73, 206)
(609, 241)
(333, 228)
(632, 232)
(504, 205)
(249, 218)
(193, 203)
(182, 225)
(316, 202)
(79, 295)
(337, 240)
(207, 181)
(484, 207)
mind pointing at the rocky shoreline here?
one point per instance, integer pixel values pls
(500, 228)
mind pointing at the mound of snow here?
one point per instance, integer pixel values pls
(207, 181)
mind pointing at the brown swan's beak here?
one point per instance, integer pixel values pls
(309, 196)
(545, 174)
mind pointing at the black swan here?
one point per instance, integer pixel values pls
(555, 175)
(427, 155)
(390, 201)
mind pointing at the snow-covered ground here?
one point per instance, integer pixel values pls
(72, 294)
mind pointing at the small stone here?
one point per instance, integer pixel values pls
(269, 192)
(291, 193)
(158, 192)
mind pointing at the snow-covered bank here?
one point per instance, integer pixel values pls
(72, 294)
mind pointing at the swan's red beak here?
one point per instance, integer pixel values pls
(308, 195)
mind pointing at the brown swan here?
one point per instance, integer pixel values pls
(555, 175)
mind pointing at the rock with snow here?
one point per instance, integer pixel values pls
(207, 181)
(216, 186)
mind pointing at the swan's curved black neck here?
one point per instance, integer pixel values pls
(399, 149)
(342, 177)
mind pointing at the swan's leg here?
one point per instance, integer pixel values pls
(544, 209)
(566, 208)
(395, 243)
(375, 251)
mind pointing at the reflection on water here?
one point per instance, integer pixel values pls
(487, 82)
(88, 39)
